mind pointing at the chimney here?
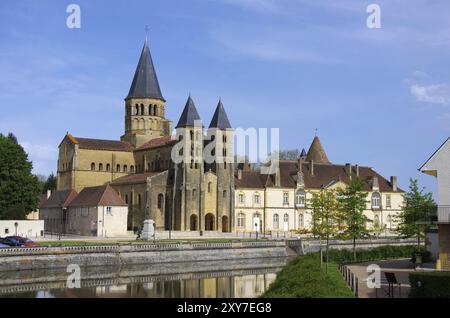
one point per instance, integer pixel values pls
(348, 170)
(394, 183)
(239, 174)
(357, 170)
(49, 192)
(311, 165)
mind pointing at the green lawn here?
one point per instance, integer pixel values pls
(304, 278)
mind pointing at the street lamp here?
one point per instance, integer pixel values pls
(154, 232)
(256, 228)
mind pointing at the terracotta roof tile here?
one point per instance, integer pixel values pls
(250, 179)
(60, 199)
(324, 174)
(158, 142)
(100, 144)
(134, 178)
(103, 195)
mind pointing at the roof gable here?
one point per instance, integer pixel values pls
(431, 165)
(97, 196)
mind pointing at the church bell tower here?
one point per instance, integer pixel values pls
(145, 105)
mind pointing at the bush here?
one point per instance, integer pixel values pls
(377, 253)
(430, 285)
(304, 277)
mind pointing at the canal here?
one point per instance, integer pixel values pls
(214, 279)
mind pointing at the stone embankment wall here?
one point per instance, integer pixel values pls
(12, 259)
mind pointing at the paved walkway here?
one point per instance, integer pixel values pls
(401, 268)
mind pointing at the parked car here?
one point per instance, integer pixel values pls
(19, 241)
(3, 245)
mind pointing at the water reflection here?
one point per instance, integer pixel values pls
(239, 281)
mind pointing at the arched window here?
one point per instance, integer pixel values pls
(100, 167)
(376, 200)
(92, 166)
(256, 198)
(131, 168)
(108, 167)
(241, 220)
(142, 109)
(224, 193)
(209, 187)
(191, 135)
(194, 193)
(286, 222)
(118, 168)
(300, 198)
(276, 221)
(136, 112)
(160, 200)
(125, 168)
(154, 110)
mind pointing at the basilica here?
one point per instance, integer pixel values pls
(109, 187)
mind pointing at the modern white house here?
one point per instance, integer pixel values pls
(438, 165)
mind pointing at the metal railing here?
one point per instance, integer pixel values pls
(113, 248)
(350, 278)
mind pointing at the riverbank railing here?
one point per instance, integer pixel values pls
(350, 278)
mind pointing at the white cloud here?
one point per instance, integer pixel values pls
(433, 94)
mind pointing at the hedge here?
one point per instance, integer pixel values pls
(377, 253)
(430, 285)
(305, 278)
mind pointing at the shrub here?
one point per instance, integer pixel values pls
(430, 285)
(377, 253)
(304, 277)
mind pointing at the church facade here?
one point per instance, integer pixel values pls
(188, 181)
(188, 195)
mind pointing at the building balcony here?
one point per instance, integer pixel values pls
(443, 214)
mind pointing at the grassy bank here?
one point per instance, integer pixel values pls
(304, 278)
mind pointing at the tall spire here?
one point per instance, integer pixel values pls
(145, 82)
(220, 118)
(189, 114)
(316, 152)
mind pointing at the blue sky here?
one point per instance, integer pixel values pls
(378, 97)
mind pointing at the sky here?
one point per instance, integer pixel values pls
(377, 97)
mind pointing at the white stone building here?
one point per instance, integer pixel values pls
(279, 202)
(438, 165)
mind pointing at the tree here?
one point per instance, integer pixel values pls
(19, 188)
(324, 213)
(49, 184)
(288, 154)
(352, 202)
(415, 218)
